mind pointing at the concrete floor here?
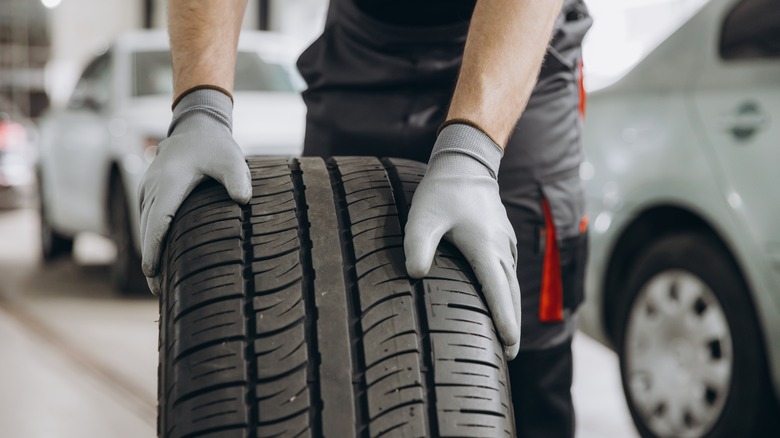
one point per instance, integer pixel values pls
(79, 360)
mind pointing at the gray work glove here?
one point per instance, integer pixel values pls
(200, 144)
(458, 199)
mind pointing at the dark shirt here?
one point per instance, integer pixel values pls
(418, 12)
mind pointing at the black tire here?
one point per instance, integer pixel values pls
(54, 245)
(126, 274)
(743, 411)
(293, 316)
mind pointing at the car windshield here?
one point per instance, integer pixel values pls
(625, 31)
(152, 74)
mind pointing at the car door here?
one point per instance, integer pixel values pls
(738, 99)
(80, 152)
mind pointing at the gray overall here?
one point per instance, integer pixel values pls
(382, 89)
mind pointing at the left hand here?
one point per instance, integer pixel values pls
(458, 199)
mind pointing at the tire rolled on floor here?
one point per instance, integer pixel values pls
(293, 316)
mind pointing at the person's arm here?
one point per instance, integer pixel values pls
(204, 36)
(458, 198)
(506, 44)
(200, 145)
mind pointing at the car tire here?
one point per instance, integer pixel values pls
(691, 353)
(294, 316)
(53, 244)
(126, 274)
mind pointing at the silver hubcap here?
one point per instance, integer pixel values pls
(678, 355)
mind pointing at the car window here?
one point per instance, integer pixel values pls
(751, 30)
(625, 31)
(254, 74)
(152, 74)
(94, 87)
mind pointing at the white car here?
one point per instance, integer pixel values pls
(683, 180)
(94, 152)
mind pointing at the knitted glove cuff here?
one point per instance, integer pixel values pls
(461, 139)
(211, 103)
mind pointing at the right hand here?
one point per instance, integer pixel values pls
(199, 145)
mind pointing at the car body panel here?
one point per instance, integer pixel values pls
(738, 105)
(80, 156)
(80, 148)
(660, 137)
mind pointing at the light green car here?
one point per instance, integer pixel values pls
(683, 180)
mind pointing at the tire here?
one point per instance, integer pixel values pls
(54, 245)
(691, 352)
(126, 274)
(293, 316)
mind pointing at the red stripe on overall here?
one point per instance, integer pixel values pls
(551, 298)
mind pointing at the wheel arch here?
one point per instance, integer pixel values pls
(651, 224)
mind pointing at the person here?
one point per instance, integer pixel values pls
(502, 187)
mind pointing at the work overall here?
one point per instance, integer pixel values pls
(382, 89)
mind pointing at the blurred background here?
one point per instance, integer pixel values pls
(676, 87)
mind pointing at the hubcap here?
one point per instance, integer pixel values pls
(678, 355)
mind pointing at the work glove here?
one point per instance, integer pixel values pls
(458, 199)
(199, 145)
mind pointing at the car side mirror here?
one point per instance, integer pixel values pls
(82, 98)
(91, 103)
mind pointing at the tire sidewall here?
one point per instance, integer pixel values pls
(47, 239)
(53, 245)
(700, 256)
(126, 269)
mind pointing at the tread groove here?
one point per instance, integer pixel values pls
(287, 373)
(191, 395)
(213, 430)
(352, 292)
(249, 319)
(376, 250)
(397, 407)
(426, 356)
(308, 297)
(469, 308)
(201, 270)
(204, 345)
(385, 299)
(203, 304)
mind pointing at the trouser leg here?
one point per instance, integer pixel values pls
(539, 169)
(541, 375)
(541, 392)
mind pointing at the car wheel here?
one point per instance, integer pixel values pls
(53, 244)
(691, 354)
(126, 273)
(294, 316)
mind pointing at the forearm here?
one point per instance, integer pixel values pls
(204, 36)
(504, 51)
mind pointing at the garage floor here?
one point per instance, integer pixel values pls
(79, 360)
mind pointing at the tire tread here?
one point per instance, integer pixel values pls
(243, 339)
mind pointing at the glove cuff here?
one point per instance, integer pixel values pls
(462, 139)
(211, 103)
(201, 87)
